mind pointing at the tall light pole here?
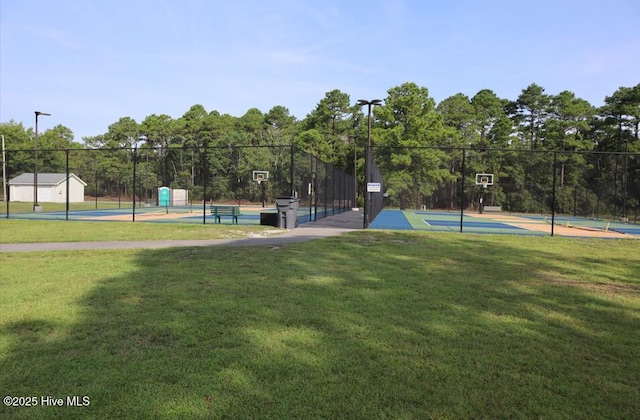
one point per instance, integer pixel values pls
(355, 173)
(36, 207)
(367, 175)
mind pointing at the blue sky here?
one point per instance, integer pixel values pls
(91, 62)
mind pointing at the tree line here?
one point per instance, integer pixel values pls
(413, 138)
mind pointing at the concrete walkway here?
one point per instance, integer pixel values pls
(329, 226)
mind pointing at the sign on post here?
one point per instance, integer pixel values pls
(374, 187)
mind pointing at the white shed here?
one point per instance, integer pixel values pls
(52, 188)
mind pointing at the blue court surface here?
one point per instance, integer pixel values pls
(251, 215)
(501, 223)
(434, 221)
(143, 214)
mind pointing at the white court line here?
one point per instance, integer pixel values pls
(424, 220)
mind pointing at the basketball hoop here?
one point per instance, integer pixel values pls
(484, 180)
(260, 176)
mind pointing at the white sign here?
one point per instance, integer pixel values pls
(374, 187)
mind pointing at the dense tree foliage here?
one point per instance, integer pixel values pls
(420, 147)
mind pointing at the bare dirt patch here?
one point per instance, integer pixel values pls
(142, 216)
(539, 226)
(163, 215)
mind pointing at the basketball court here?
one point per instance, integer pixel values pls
(503, 223)
(491, 219)
(170, 214)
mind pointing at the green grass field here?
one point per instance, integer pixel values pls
(371, 324)
(35, 231)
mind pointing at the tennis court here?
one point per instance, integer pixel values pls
(196, 214)
(503, 223)
(434, 221)
(174, 214)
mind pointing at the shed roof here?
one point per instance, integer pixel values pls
(43, 179)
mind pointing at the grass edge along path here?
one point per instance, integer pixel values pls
(366, 325)
(33, 231)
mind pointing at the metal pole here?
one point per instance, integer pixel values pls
(205, 171)
(313, 204)
(135, 163)
(95, 179)
(35, 168)
(326, 189)
(464, 154)
(4, 171)
(367, 169)
(625, 178)
(553, 195)
(292, 171)
(66, 217)
(9, 190)
(35, 165)
(367, 194)
(355, 174)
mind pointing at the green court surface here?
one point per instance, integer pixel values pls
(502, 223)
(435, 221)
(185, 214)
(196, 214)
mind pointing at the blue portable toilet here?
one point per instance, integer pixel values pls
(164, 196)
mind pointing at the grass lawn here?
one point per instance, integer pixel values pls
(33, 231)
(371, 324)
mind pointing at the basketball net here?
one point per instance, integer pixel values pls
(485, 184)
(259, 179)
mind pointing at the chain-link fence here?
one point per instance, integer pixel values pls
(586, 184)
(134, 178)
(375, 190)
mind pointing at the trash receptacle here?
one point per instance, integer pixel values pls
(287, 212)
(269, 219)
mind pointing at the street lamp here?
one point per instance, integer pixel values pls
(36, 207)
(367, 175)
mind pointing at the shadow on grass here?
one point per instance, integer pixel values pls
(367, 325)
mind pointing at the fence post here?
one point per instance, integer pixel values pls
(315, 188)
(135, 159)
(205, 171)
(365, 221)
(7, 196)
(464, 154)
(293, 170)
(67, 187)
(326, 189)
(553, 193)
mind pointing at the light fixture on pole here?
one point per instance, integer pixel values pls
(367, 175)
(36, 207)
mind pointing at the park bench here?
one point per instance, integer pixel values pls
(225, 210)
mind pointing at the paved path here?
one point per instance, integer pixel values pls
(329, 226)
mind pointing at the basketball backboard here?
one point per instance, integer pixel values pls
(484, 179)
(260, 176)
